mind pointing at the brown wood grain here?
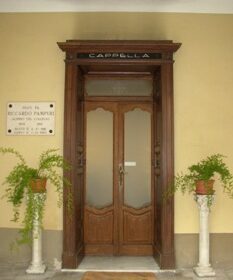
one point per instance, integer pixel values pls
(98, 225)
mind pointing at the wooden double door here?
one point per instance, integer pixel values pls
(119, 196)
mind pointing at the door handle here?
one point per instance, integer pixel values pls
(122, 172)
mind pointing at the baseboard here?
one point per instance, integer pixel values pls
(186, 249)
(51, 248)
(221, 248)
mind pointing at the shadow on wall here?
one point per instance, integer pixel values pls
(118, 26)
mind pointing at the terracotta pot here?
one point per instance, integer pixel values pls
(204, 187)
(38, 185)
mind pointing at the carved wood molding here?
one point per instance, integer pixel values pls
(165, 46)
(98, 225)
(137, 211)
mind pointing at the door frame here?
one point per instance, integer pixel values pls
(81, 54)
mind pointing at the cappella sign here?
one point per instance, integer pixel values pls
(121, 55)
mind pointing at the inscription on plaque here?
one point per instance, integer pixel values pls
(121, 56)
(31, 118)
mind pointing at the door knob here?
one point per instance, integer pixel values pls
(122, 172)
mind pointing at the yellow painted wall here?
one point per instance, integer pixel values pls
(32, 69)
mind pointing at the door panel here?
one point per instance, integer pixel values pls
(99, 225)
(136, 213)
(99, 153)
(137, 158)
(99, 218)
(137, 225)
(118, 197)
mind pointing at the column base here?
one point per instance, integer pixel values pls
(203, 271)
(36, 269)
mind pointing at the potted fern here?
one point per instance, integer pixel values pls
(23, 181)
(199, 178)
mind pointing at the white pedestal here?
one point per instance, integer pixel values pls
(204, 271)
(37, 266)
(203, 268)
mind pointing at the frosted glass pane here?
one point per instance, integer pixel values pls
(137, 144)
(99, 156)
(117, 87)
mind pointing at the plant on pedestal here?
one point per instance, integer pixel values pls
(23, 182)
(199, 178)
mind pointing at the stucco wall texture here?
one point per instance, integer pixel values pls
(32, 69)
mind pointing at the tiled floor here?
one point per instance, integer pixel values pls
(118, 264)
(17, 272)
